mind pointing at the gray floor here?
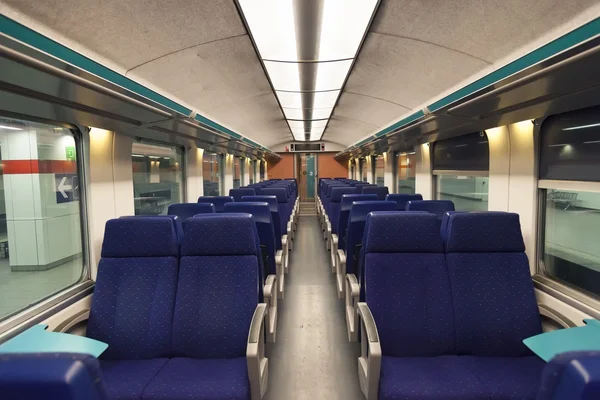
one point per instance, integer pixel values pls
(312, 358)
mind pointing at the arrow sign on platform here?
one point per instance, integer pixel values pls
(62, 186)
(66, 187)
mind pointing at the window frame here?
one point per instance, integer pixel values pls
(20, 321)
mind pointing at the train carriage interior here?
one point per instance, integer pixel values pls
(299, 199)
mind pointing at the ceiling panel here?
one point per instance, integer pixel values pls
(368, 109)
(346, 130)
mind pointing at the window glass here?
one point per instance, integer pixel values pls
(237, 172)
(405, 172)
(210, 174)
(252, 171)
(465, 153)
(570, 246)
(363, 169)
(469, 193)
(157, 177)
(352, 171)
(379, 170)
(262, 170)
(41, 238)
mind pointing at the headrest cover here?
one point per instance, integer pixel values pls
(484, 232)
(219, 235)
(188, 210)
(360, 209)
(338, 192)
(437, 207)
(402, 232)
(140, 237)
(259, 210)
(271, 200)
(348, 199)
(215, 199)
(280, 193)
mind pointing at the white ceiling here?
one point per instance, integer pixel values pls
(198, 53)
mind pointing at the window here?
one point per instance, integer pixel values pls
(405, 172)
(262, 170)
(237, 172)
(352, 170)
(379, 170)
(41, 236)
(363, 169)
(210, 174)
(461, 166)
(252, 171)
(157, 177)
(570, 211)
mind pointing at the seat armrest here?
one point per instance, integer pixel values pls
(369, 363)
(334, 249)
(66, 325)
(354, 287)
(257, 363)
(340, 272)
(270, 297)
(280, 272)
(352, 293)
(286, 253)
(555, 316)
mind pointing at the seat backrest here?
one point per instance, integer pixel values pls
(380, 191)
(217, 201)
(58, 376)
(188, 210)
(572, 375)
(177, 222)
(274, 207)
(361, 185)
(345, 206)
(282, 203)
(494, 301)
(437, 207)
(132, 306)
(335, 202)
(239, 192)
(402, 199)
(218, 286)
(266, 230)
(406, 284)
(356, 228)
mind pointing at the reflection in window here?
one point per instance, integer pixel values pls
(262, 170)
(363, 170)
(157, 177)
(41, 235)
(469, 193)
(237, 172)
(571, 227)
(379, 170)
(210, 174)
(252, 171)
(405, 172)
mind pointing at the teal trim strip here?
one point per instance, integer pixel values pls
(401, 123)
(42, 43)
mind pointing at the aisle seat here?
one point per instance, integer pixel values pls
(402, 199)
(188, 210)
(333, 213)
(217, 201)
(285, 211)
(345, 206)
(242, 191)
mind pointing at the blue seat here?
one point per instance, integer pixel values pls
(177, 222)
(380, 191)
(239, 192)
(335, 201)
(285, 210)
(402, 199)
(437, 207)
(217, 201)
(345, 206)
(272, 258)
(188, 210)
(51, 376)
(571, 376)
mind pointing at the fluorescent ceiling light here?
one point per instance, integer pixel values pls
(307, 125)
(319, 99)
(287, 75)
(10, 128)
(300, 113)
(558, 145)
(581, 127)
(592, 142)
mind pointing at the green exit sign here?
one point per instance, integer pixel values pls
(70, 153)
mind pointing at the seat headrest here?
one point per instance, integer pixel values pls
(348, 199)
(239, 192)
(380, 191)
(259, 210)
(484, 232)
(143, 236)
(188, 210)
(219, 235)
(216, 200)
(280, 193)
(402, 199)
(360, 209)
(337, 193)
(571, 375)
(402, 232)
(271, 200)
(437, 207)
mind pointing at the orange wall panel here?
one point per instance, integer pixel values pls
(329, 167)
(283, 169)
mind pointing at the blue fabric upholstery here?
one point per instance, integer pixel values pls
(444, 226)
(335, 204)
(219, 254)
(270, 200)
(402, 199)
(186, 378)
(239, 192)
(285, 208)
(217, 201)
(356, 227)
(345, 206)
(484, 277)
(188, 210)
(132, 306)
(140, 237)
(174, 218)
(274, 206)
(50, 376)
(127, 379)
(380, 191)
(437, 207)
(404, 269)
(572, 375)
